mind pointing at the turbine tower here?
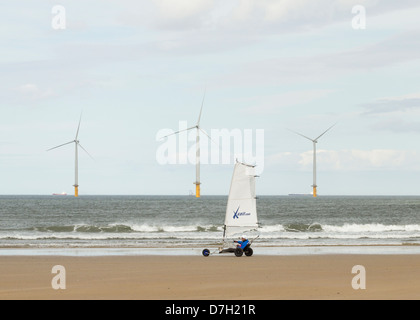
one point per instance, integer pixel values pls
(314, 141)
(197, 153)
(76, 170)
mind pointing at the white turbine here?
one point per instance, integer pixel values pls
(198, 155)
(314, 141)
(76, 170)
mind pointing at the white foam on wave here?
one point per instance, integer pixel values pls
(379, 233)
(368, 228)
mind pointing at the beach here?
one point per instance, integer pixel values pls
(219, 277)
(149, 248)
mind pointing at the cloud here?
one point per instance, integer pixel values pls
(399, 48)
(33, 92)
(170, 15)
(181, 13)
(394, 114)
(283, 16)
(275, 103)
(250, 16)
(394, 50)
(397, 125)
(394, 104)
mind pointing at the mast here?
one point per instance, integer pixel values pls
(76, 172)
(197, 164)
(314, 186)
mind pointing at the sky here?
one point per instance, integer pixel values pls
(135, 71)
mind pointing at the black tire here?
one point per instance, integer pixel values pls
(206, 252)
(249, 252)
(239, 252)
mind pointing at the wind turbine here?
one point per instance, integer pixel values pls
(314, 141)
(197, 153)
(77, 144)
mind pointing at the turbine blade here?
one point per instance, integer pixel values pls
(207, 136)
(178, 132)
(325, 131)
(85, 151)
(201, 110)
(78, 128)
(60, 145)
(301, 135)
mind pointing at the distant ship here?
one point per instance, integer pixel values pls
(59, 194)
(300, 194)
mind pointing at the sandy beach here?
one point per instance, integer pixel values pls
(213, 278)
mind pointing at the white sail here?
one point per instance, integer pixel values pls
(241, 210)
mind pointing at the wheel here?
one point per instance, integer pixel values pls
(239, 252)
(249, 252)
(206, 252)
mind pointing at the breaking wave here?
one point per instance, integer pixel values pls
(123, 228)
(196, 231)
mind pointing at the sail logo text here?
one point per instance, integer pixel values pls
(237, 214)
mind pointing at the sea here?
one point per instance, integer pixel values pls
(187, 222)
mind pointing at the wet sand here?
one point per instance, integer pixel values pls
(213, 278)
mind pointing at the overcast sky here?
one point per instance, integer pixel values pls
(136, 68)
